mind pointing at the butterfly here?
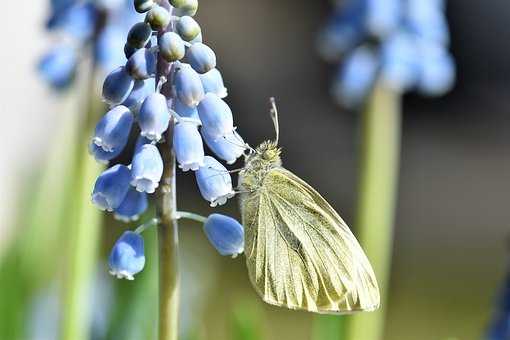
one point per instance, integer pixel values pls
(299, 252)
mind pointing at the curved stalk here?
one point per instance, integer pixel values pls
(377, 199)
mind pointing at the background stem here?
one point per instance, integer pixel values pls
(83, 231)
(381, 132)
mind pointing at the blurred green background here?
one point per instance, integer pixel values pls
(453, 216)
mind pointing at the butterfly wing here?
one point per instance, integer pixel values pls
(299, 252)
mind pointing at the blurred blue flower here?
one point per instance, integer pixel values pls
(499, 328)
(58, 66)
(409, 42)
(225, 234)
(127, 256)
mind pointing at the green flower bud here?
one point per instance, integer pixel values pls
(185, 7)
(142, 6)
(188, 28)
(171, 47)
(139, 35)
(158, 18)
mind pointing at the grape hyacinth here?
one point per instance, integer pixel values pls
(99, 24)
(170, 96)
(401, 43)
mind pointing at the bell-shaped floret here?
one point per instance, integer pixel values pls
(225, 234)
(127, 257)
(216, 116)
(111, 187)
(112, 131)
(201, 57)
(214, 182)
(142, 64)
(212, 82)
(188, 146)
(188, 86)
(154, 117)
(229, 147)
(147, 169)
(117, 86)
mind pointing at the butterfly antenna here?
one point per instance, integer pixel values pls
(274, 116)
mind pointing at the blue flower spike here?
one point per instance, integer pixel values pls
(201, 57)
(225, 234)
(188, 86)
(147, 169)
(188, 145)
(111, 187)
(154, 117)
(409, 40)
(117, 86)
(112, 131)
(127, 257)
(216, 116)
(214, 182)
(134, 204)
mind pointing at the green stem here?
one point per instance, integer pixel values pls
(168, 248)
(377, 199)
(191, 216)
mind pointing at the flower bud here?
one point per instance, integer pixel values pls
(117, 86)
(188, 86)
(184, 110)
(139, 35)
(188, 146)
(201, 57)
(214, 182)
(185, 7)
(147, 169)
(154, 117)
(212, 82)
(134, 204)
(229, 147)
(58, 67)
(111, 187)
(112, 131)
(171, 47)
(383, 17)
(188, 28)
(141, 90)
(225, 234)
(142, 64)
(142, 6)
(216, 116)
(158, 17)
(127, 257)
(437, 70)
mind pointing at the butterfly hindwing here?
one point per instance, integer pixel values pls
(300, 254)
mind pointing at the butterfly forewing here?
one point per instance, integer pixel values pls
(300, 254)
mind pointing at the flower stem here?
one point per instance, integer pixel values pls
(191, 216)
(377, 199)
(168, 231)
(168, 250)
